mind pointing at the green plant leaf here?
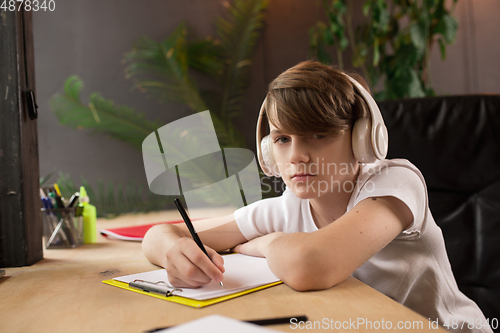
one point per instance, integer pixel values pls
(73, 86)
(227, 60)
(383, 20)
(418, 36)
(366, 8)
(404, 82)
(415, 88)
(206, 56)
(447, 26)
(317, 43)
(122, 123)
(161, 69)
(406, 56)
(332, 34)
(328, 37)
(316, 34)
(430, 92)
(344, 43)
(442, 48)
(100, 115)
(376, 53)
(393, 44)
(357, 59)
(238, 33)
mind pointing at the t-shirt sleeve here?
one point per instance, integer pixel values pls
(260, 218)
(404, 184)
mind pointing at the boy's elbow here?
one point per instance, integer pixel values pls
(301, 282)
(309, 271)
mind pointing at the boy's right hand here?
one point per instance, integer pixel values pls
(187, 266)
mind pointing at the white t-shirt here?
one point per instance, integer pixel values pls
(413, 269)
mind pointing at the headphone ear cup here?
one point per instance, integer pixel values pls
(362, 142)
(382, 141)
(268, 162)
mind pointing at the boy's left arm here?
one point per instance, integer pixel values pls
(324, 258)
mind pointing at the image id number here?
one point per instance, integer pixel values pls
(28, 5)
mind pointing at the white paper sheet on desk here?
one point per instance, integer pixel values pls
(217, 324)
(242, 273)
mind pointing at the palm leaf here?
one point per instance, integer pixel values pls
(161, 70)
(100, 115)
(124, 124)
(206, 56)
(238, 33)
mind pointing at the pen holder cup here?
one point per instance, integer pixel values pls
(61, 228)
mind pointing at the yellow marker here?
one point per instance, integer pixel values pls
(89, 218)
(56, 187)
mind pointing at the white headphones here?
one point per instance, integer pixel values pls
(369, 136)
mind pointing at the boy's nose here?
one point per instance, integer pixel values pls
(298, 153)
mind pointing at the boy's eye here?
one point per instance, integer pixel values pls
(281, 140)
(318, 136)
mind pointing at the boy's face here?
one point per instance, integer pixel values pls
(317, 165)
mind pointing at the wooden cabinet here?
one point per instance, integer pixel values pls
(20, 219)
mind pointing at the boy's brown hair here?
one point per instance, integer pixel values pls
(313, 98)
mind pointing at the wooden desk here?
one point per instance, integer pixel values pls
(64, 293)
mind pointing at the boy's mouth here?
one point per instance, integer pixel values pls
(301, 176)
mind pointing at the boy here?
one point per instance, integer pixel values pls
(337, 217)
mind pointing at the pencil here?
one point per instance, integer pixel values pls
(193, 233)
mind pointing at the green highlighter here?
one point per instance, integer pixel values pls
(89, 218)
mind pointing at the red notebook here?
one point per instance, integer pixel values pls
(135, 233)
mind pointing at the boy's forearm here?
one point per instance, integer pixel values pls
(158, 241)
(292, 259)
(285, 255)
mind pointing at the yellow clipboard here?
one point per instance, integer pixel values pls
(188, 301)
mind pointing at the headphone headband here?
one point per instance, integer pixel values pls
(379, 135)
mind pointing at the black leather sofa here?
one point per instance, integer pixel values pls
(455, 142)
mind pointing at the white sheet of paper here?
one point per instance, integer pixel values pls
(242, 273)
(217, 324)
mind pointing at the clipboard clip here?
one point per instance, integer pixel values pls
(154, 287)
